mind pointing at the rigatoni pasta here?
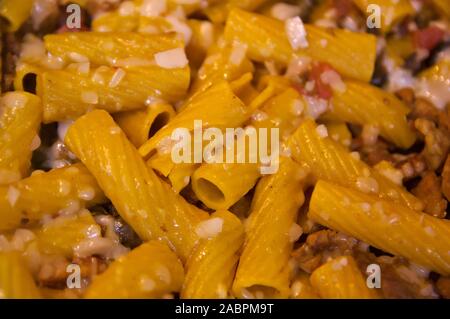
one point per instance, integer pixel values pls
(271, 230)
(352, 54)
(20, 119)
(340, 278)
(149, 271)
(149, 205)
(392, 224)
(212, 264)
(65, 189)
(331, 161)
(68, 94)
(185, 149)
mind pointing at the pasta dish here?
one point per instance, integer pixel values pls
(212, 149)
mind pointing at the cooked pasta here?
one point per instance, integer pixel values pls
(224, 149)
(149, 271)
(354, 213)
(149, 205)
(340, 278)
(271, 231)
(20, 120)
(211, 266)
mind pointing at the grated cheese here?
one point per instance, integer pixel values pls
(296, 33)
(283, 11)
(13, 195)
(117, 78)
(171, 59)
(89, 97)
(209, 228)
(295, 232)
(322, 131)
(153, 8)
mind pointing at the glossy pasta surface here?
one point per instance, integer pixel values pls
(219, 149)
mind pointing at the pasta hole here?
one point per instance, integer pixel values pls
(29, 83)
(210, 191)
(161, 120)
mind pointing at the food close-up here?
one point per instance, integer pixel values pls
(224, 149)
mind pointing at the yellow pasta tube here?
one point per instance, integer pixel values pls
(16, 281)
(270, 234)
(362, 103)
(61, 235)
(443, 6)
(220, 185)
(339, 132)
(433, 84)
(282, 111)
(389, 226)
(151, 208)
(63, 189)
(148, 271)
(390, 12)
(203, 36)
(15, 13)
(211, 267)
(140, 125)
(350, 53)
(222, 63)
(340, 278)
(109, 48)
(217, 13)
(27, 78)
(226, 111)
(301, 287)
(332, 162)
(68, 94)
(180, 175)
(20, 119)
(247, 4)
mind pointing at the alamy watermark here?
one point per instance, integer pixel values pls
(230, 145)
(374, 276)
(73, 280)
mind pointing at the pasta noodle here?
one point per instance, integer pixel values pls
(392, 224)
(270, 233)
(149, 206)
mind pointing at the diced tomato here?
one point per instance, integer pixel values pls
(343, 7)
(323, 90)
(428, 38)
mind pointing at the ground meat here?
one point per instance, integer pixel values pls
(10, 55)
(437, 142)
(406, 95)
(443, 287)
(424, 109)
(429, 191)
(399, 278)
(375, 153)
(412, 165)
(90, 266)
(320, 246)
(53, 272)
(446, 179)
